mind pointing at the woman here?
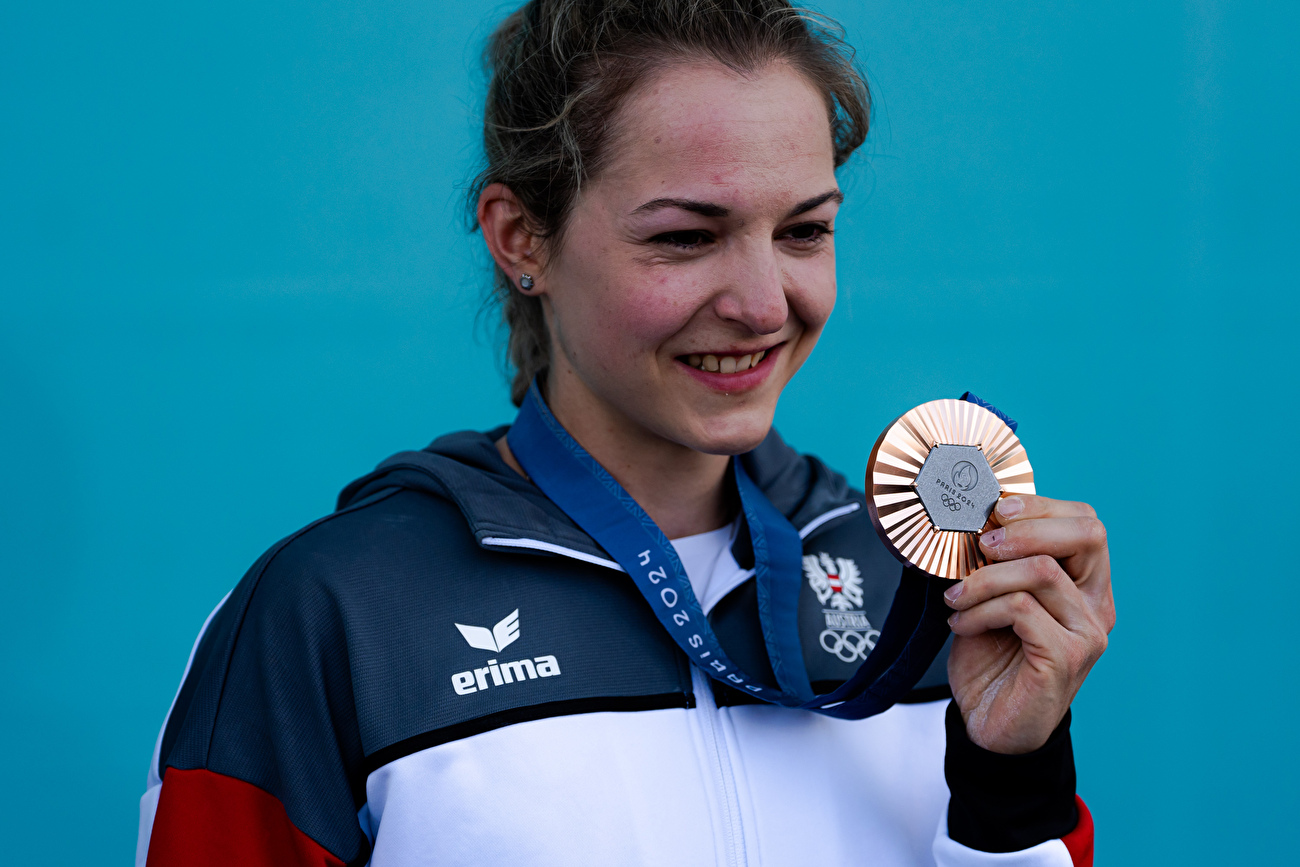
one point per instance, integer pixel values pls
(475, 660)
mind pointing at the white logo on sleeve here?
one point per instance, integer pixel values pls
(848, 634)
(496, 639)
(504, 633)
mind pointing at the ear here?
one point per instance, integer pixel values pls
(509, 238)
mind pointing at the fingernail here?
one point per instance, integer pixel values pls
(954, 591)
(1009, 507)
(952, 621)
(993, 538)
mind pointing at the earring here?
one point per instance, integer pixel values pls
(525, 281)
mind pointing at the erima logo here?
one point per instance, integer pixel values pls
(497, 639)
(504, 633)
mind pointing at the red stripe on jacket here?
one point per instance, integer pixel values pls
(206, 819)
(1079, 841)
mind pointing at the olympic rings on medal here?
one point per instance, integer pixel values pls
(855, 644)
(953, 504)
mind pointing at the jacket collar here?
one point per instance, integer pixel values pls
(506, 511)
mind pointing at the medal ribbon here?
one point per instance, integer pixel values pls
(571, 478)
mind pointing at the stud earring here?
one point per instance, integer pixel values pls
(525, 281)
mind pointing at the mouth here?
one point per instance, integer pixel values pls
(725, 363)
(731, 372)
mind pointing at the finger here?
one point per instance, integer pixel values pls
(1027, 618)
(1061, 538)
(1079, 544)
(1022, 507)
(1040, 576)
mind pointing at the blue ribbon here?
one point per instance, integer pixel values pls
(912, 634)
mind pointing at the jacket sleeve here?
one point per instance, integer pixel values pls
(153, 780)
(259, 762)
(1012, 811)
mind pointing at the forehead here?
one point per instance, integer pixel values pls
(701, 130)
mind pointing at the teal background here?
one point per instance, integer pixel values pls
(236, 275)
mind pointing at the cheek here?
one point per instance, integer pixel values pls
(812, 290)
(659, 305)
(618, 309)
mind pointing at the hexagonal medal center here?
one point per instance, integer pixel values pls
(957, 488)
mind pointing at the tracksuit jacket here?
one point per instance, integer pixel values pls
(447, 670)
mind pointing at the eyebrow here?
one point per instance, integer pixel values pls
(704, 209)
(808, 204)
(711, 209)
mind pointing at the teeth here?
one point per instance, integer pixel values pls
(727, 363)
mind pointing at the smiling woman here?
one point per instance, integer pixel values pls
(707, 235)
(634, 627)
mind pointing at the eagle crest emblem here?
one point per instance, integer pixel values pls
(834, 580)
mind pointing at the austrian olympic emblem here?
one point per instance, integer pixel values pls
(838, 583)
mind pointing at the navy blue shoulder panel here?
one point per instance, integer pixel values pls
(448, 638)
(386, 628)
(268, 698)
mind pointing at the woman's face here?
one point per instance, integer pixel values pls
(698, 268)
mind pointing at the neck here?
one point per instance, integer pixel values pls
(682, 490)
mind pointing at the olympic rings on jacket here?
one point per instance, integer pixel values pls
(854, 644)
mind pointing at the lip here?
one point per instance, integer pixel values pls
(733, 383)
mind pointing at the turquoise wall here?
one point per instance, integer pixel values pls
(235, 276)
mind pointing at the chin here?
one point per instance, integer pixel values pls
(733, 434)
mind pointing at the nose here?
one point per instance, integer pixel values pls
(755, 296)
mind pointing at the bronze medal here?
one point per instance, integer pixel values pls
(933, 479)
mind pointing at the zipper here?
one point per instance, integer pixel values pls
(724, 776)
(711, 725)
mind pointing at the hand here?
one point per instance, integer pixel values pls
(1029, 625)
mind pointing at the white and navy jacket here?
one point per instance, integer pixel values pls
(448, 671)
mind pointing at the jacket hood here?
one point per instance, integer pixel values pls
(503, 509)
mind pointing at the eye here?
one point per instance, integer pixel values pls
(807, 234)
(687, 239)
